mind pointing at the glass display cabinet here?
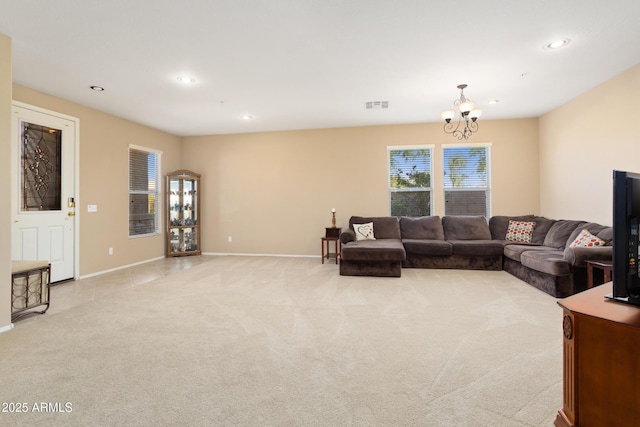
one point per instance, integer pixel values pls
(183, 213)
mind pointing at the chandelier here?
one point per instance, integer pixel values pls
(468, 113)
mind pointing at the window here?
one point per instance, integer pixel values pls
(410, 171)
(144, 168)
(466, 180)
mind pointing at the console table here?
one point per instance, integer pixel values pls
(601, 349)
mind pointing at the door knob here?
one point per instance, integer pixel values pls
(71, 214)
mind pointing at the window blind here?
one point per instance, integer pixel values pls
(410, 171)
(143, 191)
(466, 180)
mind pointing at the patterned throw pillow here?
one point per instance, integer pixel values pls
(520, 231)
(364, 231)
(586, 240)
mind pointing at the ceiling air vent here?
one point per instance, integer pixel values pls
(376, 105)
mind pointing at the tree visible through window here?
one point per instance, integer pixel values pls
(410, 171)
(466, 180)
(144, 169)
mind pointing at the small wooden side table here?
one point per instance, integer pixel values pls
(605, 266)
(326, 254)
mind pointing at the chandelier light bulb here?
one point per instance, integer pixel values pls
(448, 115)
(466, 106)
(475, 114)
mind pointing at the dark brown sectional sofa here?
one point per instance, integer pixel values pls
(470, 242)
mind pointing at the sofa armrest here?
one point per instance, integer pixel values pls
(347, 236)
(578, 255)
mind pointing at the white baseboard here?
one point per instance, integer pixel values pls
(272, 255)
(119, 268)
(6, 328)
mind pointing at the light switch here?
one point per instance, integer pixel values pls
(92, 208)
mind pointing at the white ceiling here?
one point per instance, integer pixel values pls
(300, 64)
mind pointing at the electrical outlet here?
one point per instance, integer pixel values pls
(110, 251)
(229, 239)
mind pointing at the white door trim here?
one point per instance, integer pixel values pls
(76, 178)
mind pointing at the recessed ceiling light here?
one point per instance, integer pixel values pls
(494, 101)
(556, 44)
(186, 80)
(97, 88)
(247, 117)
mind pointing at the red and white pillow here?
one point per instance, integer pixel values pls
(586, 240)
(520, 231)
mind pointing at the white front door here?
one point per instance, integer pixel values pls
(43, 188)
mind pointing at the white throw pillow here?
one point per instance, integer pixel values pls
(586, 240)
(520, 231)
(364, 231)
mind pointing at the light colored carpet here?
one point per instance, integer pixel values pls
(265, 341)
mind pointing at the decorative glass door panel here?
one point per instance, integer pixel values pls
(41, 156)
(183, 213)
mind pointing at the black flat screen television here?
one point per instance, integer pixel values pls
(626, 218)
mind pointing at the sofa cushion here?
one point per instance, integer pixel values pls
(466, 228)
(515, 251)
(384, 227)
(426, 227)
(606, 234)
(543, 225)
(364, 231)
(374, 250)
(550, 262)
(584, 239)
(477, 247)
(559, 233)
(602, 232)
(499, 224)
(520, 231)
(427, 247)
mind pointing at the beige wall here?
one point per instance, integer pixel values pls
(273, 192)
(582, 142)
(104, 142)
(5, 189)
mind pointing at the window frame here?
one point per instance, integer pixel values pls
(157, 192)
(486, 188)
(429, 190)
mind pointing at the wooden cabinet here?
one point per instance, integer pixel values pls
(183, 213)
(601, 357)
